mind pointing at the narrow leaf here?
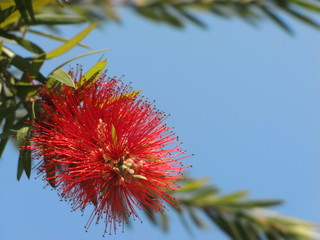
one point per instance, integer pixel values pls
(71, 43)
(184, 221)
(192, 185)
(54, 37)
(256, 203)
(56, 19)
(20, 169)
(93, 73)
(231, 197)
(150, 214)
(61, 76)
(6, 128)
(21, 135)
(276, 19)
(25, 154)
(28, 4)
(80, 56)
(164, 220)
(301, 17)
(3, 144)
(20, 5)
(50, 171)
(189, 16)
(14, 17)
(28, 45)
(6, 4)
(307, 5)
(196, 219)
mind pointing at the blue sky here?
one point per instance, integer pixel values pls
(244, 100)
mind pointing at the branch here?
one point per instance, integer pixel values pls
(237, 217)
(178, 13)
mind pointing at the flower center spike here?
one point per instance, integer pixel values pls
(126, 168)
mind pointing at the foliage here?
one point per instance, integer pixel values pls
(179, 12)
(239, 218)
(17, 93)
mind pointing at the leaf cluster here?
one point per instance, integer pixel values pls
(238, 217)
(177, 13)
(17, 92)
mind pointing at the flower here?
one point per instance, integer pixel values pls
(102, 144)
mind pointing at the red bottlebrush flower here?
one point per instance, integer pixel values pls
(103, 144)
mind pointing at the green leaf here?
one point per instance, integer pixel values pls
(21, 6)
(301, 17)
(50, 171)
(54, 37)
(79, 56)
(203, 197)
(4, 4)
(192, 185)
(245, 232)
(256, 203)
(21, 135)
(93, 73)
(3, 144)
(6, 111)
(229, 226)
(30, 46)
(24, 163)
(20, 168)
(167, 16)
(160, 14)
(61, 76)
(253, 229)
(213, 216)
(110, 11)
(5, 12)
(164, 220)
(184, 221)
(29, 68)
(20, 62)
(276, 19)
(14, 16)
(56, 19)
(307, 5)
(230, 198)
(25, 90)
(6, 128)
(29, 7)
(189, 16)
(150, 214)
(71, 43)
(20, 123)
(196, 219)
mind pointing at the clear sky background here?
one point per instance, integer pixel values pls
(244, 100)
